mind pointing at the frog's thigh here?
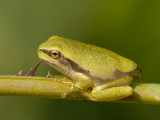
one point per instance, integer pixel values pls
(110, 91)
(83, 81)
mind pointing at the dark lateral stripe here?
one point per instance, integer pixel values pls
(136, 73)
(76, 67)
(63, 60)
(44, 50)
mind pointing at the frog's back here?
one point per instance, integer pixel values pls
(100, 63)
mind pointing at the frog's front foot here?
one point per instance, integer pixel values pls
(71, 89)
(86, 93)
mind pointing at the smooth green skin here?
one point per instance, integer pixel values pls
(90, 67)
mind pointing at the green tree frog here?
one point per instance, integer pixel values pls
(107, 74)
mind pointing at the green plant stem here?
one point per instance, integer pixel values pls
(56, 86)
(36, 86)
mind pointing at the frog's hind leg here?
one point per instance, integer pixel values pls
(115, 90)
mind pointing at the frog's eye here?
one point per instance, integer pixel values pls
(55, 54)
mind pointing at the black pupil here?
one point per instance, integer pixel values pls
(55, 53)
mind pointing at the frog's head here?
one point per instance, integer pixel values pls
(52, 52)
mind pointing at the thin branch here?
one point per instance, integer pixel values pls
(36, 86)
(56, 86)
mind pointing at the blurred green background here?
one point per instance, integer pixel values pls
(128, 27)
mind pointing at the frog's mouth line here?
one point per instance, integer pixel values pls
(64, 61)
